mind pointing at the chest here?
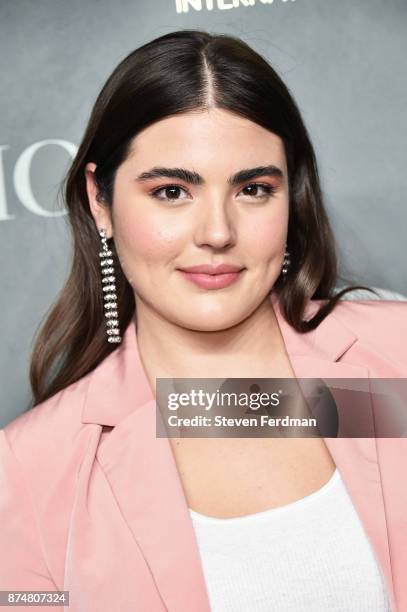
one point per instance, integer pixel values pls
(229, 477)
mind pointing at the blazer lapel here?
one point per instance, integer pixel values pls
(321, 354)
(143, 475)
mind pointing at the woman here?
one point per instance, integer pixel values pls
(195, 154)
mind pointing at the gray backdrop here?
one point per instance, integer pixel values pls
(344, 61)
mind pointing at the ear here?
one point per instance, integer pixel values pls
(100, 212)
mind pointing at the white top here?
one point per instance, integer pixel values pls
(311, 555)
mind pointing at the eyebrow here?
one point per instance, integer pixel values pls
(196, 179)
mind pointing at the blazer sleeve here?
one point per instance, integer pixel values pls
(22, 563)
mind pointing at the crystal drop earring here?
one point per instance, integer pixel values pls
(109, 291)
(286, 263)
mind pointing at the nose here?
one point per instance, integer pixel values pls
(215, 226)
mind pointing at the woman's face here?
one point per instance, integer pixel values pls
(163, 223)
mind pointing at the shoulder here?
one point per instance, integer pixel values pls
(378, 323)
(45, 439)
(61, 412)
(361, 314)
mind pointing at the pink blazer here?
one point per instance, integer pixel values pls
(91, 501)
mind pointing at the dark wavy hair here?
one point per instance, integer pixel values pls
(176, 73)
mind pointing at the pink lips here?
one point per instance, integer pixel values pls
(212, 276)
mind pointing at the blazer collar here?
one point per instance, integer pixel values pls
(119, 396)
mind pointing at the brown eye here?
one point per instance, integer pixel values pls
(254, 189)
(171, 193)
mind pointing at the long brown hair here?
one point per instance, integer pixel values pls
(167, 76)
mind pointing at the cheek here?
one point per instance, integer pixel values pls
(148, 241)
(266, 238)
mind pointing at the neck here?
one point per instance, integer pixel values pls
(252, 348)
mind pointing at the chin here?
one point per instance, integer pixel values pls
(206, 323)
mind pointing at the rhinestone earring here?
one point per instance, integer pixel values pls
(109, 291)
(286, 263)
